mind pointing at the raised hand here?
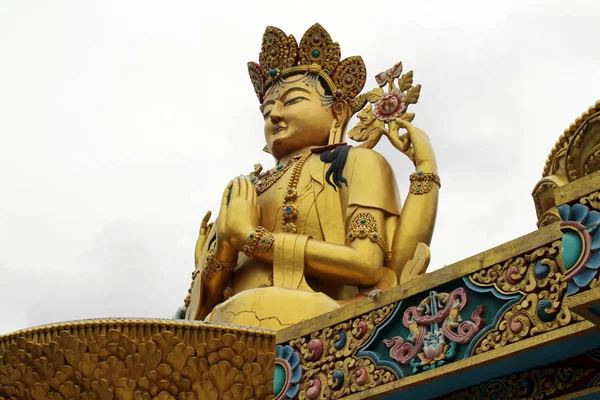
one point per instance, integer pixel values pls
(422, 151)
(205, 228)
(243, 214)
(224, 251)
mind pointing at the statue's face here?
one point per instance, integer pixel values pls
(295, 120)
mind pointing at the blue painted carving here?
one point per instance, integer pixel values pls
(442, 340)
(288, 373)
(580, 245)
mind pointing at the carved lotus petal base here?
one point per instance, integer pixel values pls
(138, 358)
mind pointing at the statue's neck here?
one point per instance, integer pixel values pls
(300, 152)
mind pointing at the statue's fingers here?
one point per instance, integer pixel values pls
(235, 189)
(243, 187)
(225, 199)
(252, 193)
(404, 124)
(206, 218)
(204, 223)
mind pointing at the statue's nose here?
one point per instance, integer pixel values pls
(276, 113)
(275, 118)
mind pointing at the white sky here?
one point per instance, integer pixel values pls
(121, 122)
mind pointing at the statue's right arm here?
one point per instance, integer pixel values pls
(211, 289)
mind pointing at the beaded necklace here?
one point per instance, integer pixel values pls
(289, 208)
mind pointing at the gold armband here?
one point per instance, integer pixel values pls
(259, 242)
(364, 225)
(422, 182)
(213, 266)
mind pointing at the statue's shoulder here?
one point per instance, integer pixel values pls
(371, 181)
(363, 155)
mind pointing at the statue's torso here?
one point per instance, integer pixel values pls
(321, 213)
(252, 273)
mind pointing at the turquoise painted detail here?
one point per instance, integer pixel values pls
(541, 270)
(316, 53)
(592, 222)
(287, 357)
(279, 379)
(579, 213)
(341, 341)
(544, 315)
(575, 242)
(565, 212)
(338, 379)
(572, 246)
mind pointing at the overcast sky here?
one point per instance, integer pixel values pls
(122, 121)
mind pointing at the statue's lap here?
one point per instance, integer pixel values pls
(272, 307)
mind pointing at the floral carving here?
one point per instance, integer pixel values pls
(287, 373)
(328, 357)
(435, 327)
(389, 106)
(580, 245)
(113, 366)
(381, 116)
(538, 277)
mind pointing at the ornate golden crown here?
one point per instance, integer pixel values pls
(317, 57)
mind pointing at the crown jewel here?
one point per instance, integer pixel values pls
(317, 56)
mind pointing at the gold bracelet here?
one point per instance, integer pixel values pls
(213, 266)
(364, 225)
(259, 242)
(422, 182)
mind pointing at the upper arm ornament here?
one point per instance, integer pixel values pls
(364, 225)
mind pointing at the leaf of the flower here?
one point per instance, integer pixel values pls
(374, 95)
(407, 117)
(412, 96)
(358, 134)
(406, 81)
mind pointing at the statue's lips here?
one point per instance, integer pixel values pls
(278, 129)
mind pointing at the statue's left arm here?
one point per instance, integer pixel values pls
(417, 218)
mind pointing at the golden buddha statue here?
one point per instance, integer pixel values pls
(324, 227)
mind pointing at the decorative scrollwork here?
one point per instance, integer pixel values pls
(538, 276)
(331, 368)
(593, 200)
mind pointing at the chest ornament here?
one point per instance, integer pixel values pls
(265, 180)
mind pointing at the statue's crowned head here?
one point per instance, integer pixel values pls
(307, 93)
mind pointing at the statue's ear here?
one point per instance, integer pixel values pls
(341, 116)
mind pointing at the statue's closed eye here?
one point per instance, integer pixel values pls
(294, 100)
